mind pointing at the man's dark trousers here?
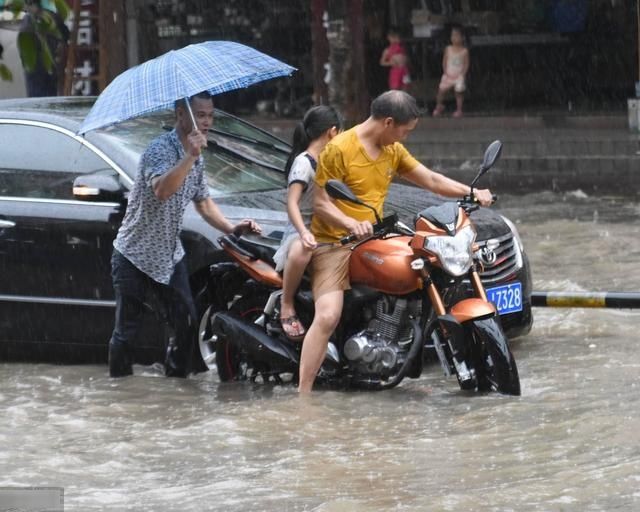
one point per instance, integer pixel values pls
(131, 286)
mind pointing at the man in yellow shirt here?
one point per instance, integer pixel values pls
(366, 158)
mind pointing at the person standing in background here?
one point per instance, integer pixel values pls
(455, 64)
(395, 57)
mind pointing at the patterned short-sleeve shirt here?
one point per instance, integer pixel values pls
(150, 233)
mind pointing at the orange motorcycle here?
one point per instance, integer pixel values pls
(409, 298)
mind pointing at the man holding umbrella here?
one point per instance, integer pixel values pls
(148, 254)
(147, 251)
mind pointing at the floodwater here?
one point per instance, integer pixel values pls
(571, 442)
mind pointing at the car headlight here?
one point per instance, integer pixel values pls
(454, 252)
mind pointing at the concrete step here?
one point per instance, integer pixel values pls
(552, 144)
(537, 136)
(592, 174)
(546, 151)
(528, 121)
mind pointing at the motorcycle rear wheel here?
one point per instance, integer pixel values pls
(495, 366)
(230, 361)
(206, 342)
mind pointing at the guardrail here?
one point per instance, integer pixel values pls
(623, 300)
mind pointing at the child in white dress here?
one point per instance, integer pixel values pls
(455, 64)
(319, 125)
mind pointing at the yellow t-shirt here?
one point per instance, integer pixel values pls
(345, 159)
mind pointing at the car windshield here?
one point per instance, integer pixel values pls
(239, 157)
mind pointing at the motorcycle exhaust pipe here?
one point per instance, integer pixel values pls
(256, 343)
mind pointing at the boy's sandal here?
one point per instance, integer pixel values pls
(293, 328)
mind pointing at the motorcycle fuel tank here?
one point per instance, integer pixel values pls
(385, 265)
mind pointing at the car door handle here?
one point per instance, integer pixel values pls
(7, 224)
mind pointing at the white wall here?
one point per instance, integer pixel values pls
(11, 59)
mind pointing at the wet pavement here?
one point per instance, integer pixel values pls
(569, 443)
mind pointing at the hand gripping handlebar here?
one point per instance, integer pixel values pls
(385, 225)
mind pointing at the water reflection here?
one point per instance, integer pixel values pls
(570, 442)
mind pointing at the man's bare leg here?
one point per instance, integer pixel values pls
(314, 348)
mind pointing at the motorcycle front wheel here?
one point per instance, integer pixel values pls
(495, 366)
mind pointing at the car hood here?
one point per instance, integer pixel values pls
(407, 201)
(404, 200)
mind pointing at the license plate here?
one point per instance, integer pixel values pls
(507, 298)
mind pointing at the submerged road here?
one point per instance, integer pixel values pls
(571, 442)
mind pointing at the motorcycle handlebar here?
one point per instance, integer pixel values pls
(388, 222)
(471, 203)
(474, 199)
(348, 239)
(384, 225)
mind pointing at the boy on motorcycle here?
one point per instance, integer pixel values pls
(366, 158)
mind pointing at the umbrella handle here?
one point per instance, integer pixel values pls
(193, 119)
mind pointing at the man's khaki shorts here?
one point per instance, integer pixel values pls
(330, 269)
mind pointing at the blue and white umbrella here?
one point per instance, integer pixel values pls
(213, 66)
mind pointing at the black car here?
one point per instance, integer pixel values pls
(63, 196)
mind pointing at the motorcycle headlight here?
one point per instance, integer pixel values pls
(454, 252)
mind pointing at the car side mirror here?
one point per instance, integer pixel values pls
(98, 188)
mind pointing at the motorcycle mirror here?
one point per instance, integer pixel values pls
(338, 190)
(491, 155)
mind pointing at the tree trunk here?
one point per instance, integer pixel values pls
(346, 80)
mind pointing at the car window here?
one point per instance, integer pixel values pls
(239, 158)
(257, 153)
(227, 174)
(232, 125)
(41, 162)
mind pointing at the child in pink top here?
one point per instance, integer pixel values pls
(455, 64)
(395, 57)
